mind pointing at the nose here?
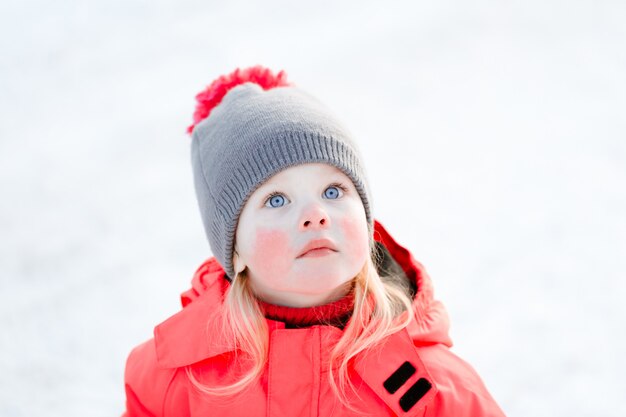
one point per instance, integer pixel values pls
(314, 218)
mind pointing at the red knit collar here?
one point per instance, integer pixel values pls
(335, 313)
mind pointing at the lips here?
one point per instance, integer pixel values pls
(318, 244)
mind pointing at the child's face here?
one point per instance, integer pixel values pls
(272, 233)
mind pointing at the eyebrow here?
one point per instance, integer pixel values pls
(269, 187)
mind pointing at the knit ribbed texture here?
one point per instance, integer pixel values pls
(252, 135)
(335, 314)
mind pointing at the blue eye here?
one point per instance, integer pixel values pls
(332, 192)
(276, 200)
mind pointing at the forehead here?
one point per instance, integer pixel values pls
(310, 171)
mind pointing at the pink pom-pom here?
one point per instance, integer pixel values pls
(210, 97)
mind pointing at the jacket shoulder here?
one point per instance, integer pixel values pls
(461, 390)
(150, 390)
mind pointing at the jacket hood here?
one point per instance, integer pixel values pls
(204, 302)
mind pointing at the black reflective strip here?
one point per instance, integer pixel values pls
(414, 394)
(398, 378)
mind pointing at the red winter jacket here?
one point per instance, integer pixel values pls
(412, 374)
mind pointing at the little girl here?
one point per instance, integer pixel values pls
(309, 307)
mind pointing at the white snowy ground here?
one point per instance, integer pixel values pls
(494, 134)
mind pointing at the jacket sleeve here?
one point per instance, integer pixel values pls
(148, 387)
(461, 392)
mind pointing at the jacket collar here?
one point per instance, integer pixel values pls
(186, 337)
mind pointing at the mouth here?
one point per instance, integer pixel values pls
(318, 247)
(316, 253)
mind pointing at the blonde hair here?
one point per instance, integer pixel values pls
(382, 306)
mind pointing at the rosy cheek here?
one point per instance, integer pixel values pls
(271, 253)
(356, 237)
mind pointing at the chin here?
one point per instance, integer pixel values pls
(321, 280)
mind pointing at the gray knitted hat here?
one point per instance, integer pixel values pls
(253, 133)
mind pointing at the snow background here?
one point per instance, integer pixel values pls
(493, 134)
